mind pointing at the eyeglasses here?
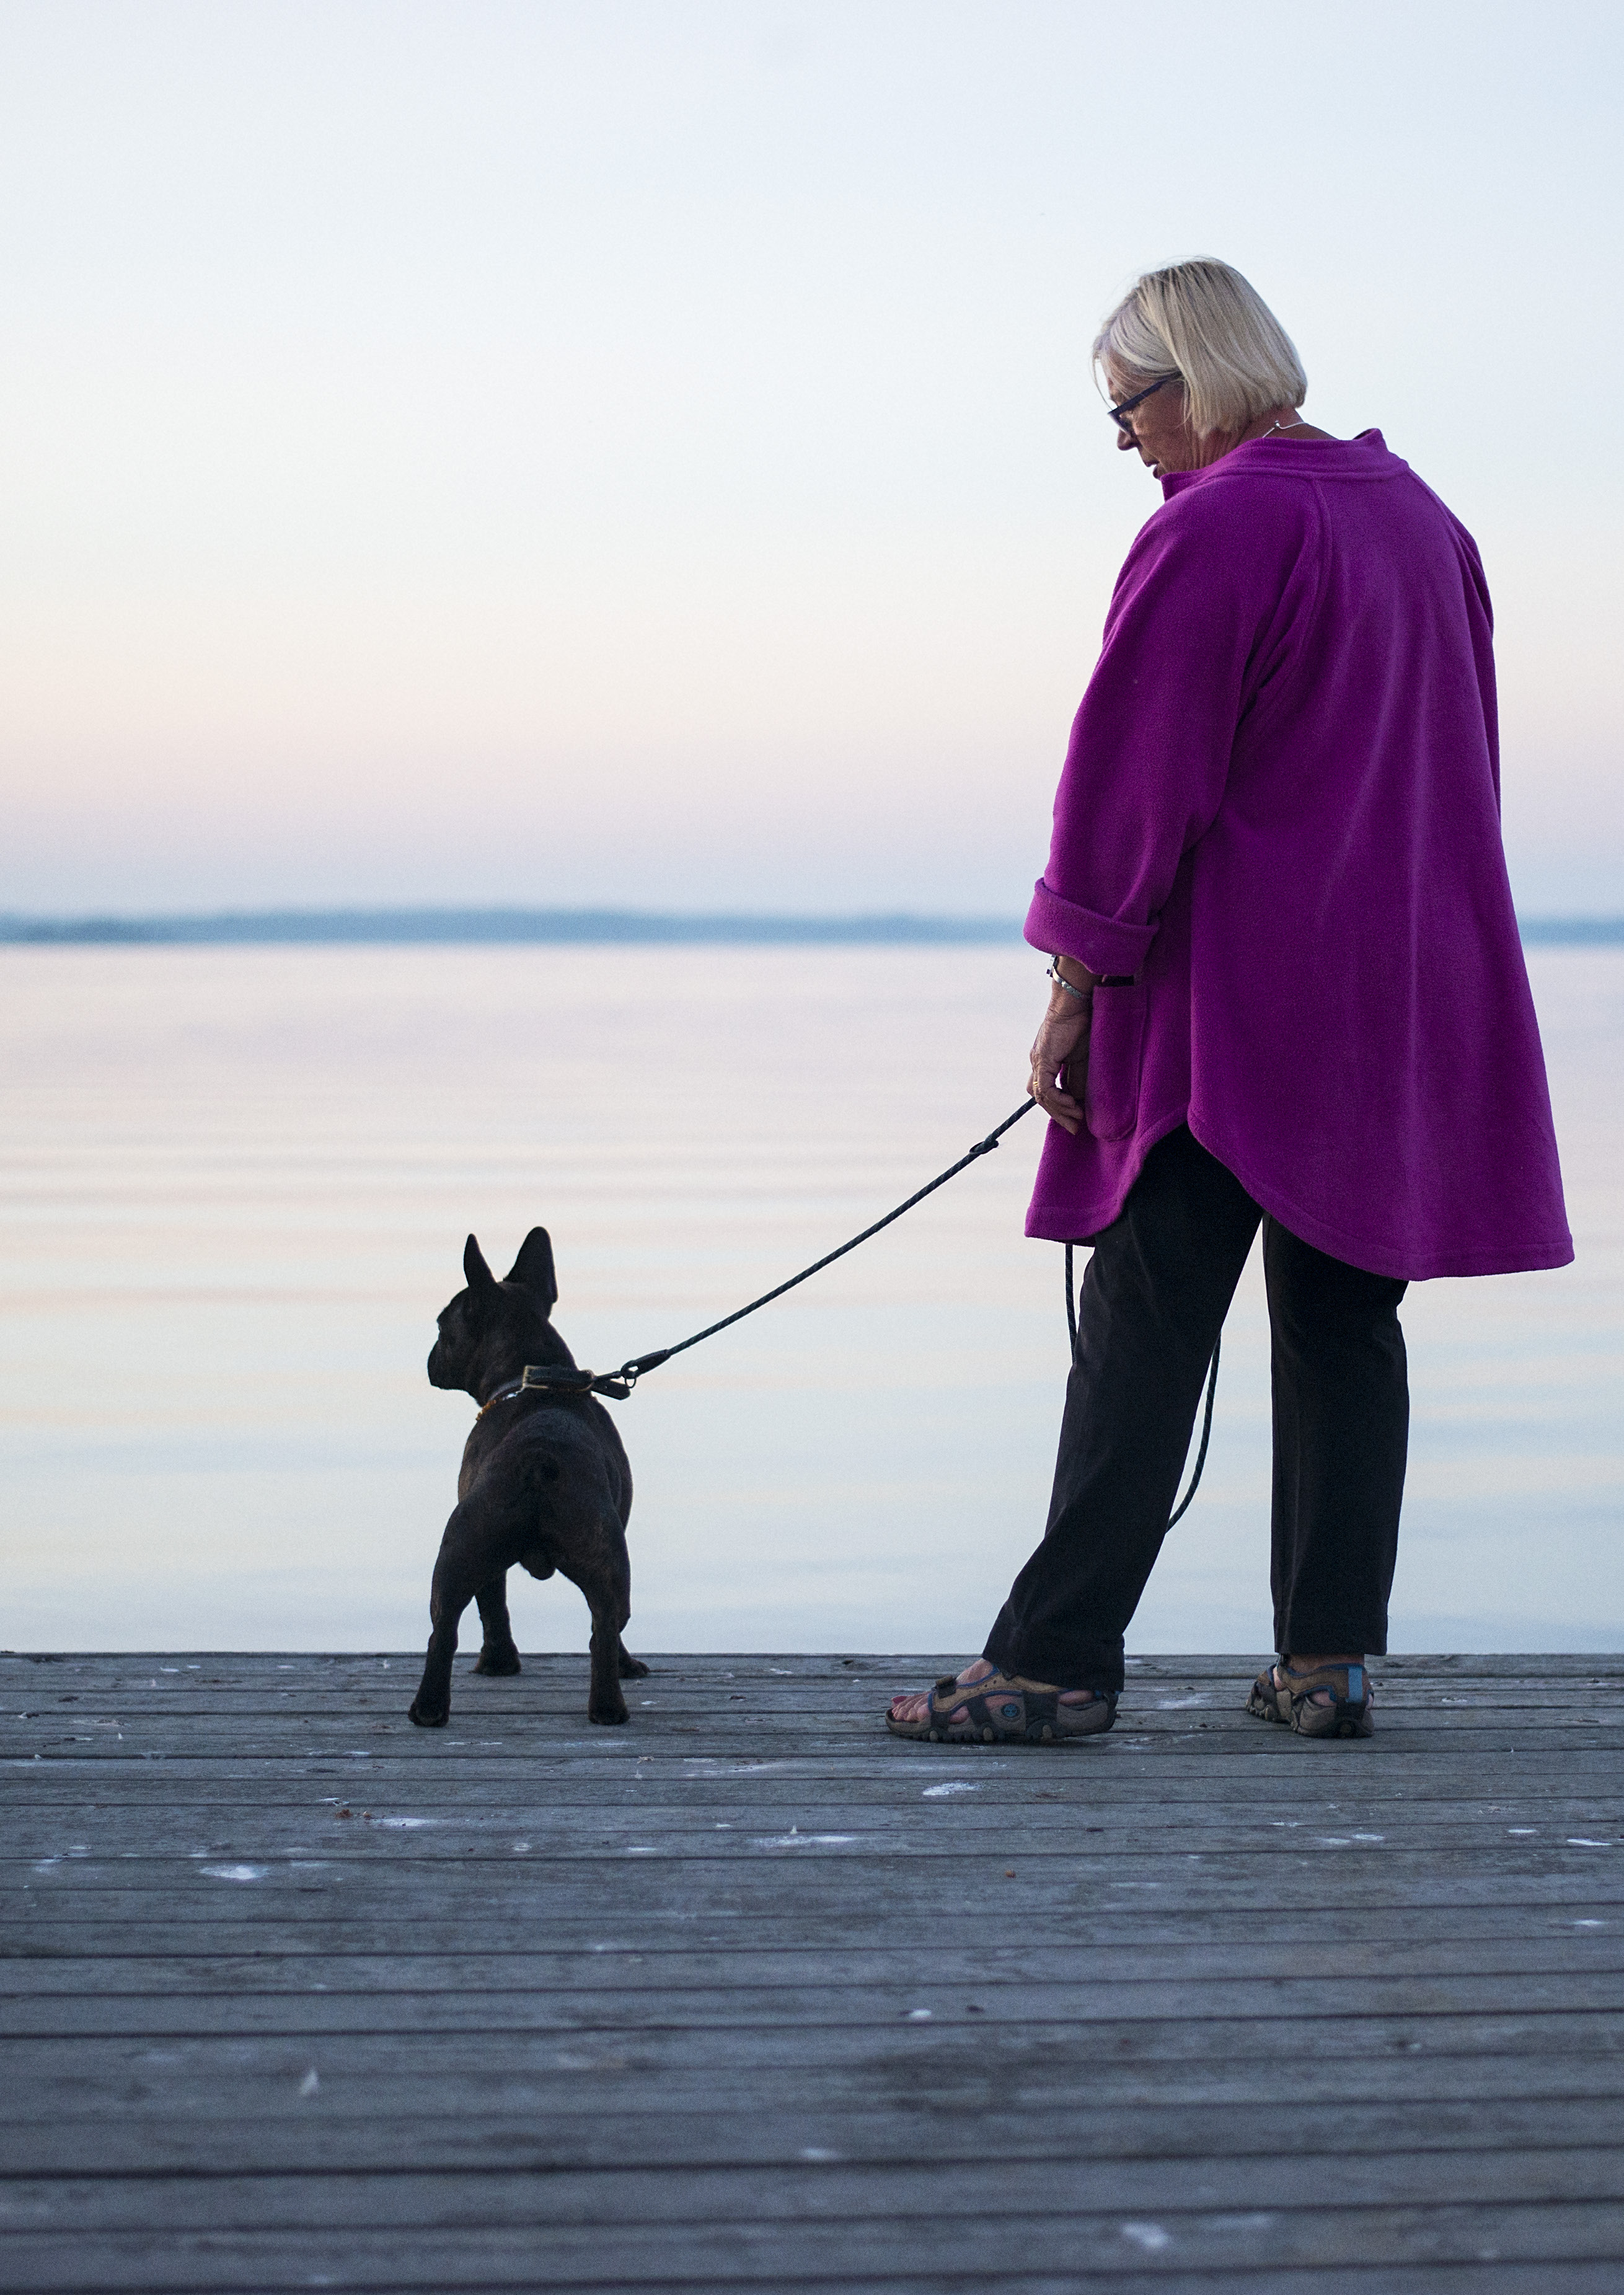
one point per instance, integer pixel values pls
(1138, 398)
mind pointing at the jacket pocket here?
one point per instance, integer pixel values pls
(1116, 1045)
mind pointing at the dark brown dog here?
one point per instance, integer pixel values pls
(545, 1484)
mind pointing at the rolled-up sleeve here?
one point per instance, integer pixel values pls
(1105, 944)
(1151, 745)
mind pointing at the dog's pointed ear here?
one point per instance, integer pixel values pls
(533, 1266)
(476, 1275)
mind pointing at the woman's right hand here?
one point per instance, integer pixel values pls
(1060, 1053)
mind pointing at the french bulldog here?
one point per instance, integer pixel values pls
(545, 1484)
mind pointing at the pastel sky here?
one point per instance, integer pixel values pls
(645, 451)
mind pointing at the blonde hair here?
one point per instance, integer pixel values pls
(1204, 323)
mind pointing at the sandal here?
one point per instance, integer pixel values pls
(1005, 1708)
(1279, 1695)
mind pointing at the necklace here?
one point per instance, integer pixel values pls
(1299, 424)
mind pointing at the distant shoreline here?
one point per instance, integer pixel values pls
(510, 926)
(381, 927)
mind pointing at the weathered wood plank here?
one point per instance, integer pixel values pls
(975, 2055)
(873, 2190)
(658, 1966)
(847, 1919)
(1486, 2278)
(811, 2250)
(383, 1829)
(522, 1700)
(305, 2133)
(55, 1793)
(317, 1793)
(1088, 1785)
(722, 2006)
(1202, 1778)
(370, 1835)
(835, 1916)
(140, 2101)
(699, 2125)
(1082, 2277)
(632, 1888)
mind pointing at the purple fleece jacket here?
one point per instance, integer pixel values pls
(1280, 811)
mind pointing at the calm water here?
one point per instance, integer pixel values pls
(235, 1187)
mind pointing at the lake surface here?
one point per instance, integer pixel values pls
(235, 1187)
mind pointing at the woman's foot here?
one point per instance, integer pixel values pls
(1300, 1662)
(1317, 1695)
(1012, 1709)
(915, 1706)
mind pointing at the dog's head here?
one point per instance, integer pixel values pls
(491, 1330)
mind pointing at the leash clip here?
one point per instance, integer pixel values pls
(564, 1378)
(556, 1378)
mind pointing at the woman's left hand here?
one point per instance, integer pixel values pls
(1060, 1056)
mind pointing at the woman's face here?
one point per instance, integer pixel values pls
(1157, 429)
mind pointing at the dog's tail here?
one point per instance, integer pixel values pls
(526, 1506)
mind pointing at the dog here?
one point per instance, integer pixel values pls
(544, 1483)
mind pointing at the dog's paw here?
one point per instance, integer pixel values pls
(498, 1661)
(606, 1715)
(426, 1716)
(631, 1669)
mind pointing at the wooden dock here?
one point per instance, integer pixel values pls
(748, 1997)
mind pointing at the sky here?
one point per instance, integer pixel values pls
(645, 452)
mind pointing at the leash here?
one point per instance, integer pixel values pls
(616, 1385)
(1183, 1506)
(559, 1378)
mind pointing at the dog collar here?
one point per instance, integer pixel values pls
(502, 1394)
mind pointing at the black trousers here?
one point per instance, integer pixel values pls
(1154, 1301)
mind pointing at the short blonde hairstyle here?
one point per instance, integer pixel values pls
(1204, 323)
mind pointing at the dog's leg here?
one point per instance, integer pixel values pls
(500, 1653)
(604, 1701)
(607, 1583)
(631, 1669)
(476, 1547)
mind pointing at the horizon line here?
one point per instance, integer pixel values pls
(427, 925)
(424, 923)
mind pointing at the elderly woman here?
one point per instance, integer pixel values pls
(1287, 990)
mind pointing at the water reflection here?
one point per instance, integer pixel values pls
(236, 1189)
